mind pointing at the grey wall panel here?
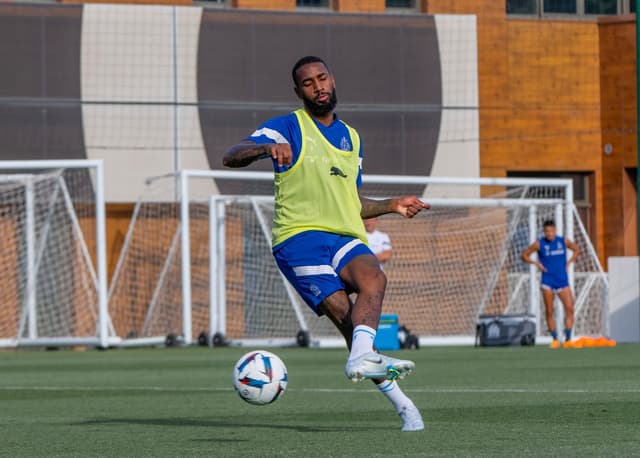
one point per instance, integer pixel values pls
(40, 115)
(40, 132)
(39, 51)
(20, 53)
(397, 143)
(387, 70)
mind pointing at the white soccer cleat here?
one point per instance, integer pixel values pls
(411, 419)
(374, 365)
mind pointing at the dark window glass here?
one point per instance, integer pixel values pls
(601, 6)
(399, 3)
(521, 6)
(632, 6)
(312, 3)
(560, 6)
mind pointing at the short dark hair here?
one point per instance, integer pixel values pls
(549, 223)
(304, 61)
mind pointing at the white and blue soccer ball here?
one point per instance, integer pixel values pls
(260, 377)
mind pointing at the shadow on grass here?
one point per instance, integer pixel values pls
(206, 423)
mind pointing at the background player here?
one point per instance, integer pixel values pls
(379, 242)
(552, 261)
(319, 241)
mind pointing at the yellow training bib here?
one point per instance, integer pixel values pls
(319, 193)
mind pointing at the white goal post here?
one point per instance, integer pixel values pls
(53, 254)
(208, 260)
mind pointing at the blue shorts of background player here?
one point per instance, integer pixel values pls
(554, 284)
(312, 262)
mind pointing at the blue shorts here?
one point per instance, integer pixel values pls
(554, 284)
(312, 261)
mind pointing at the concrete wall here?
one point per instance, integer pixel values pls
(624, 298)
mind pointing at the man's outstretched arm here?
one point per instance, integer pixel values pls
(408, 206)
(245, 153)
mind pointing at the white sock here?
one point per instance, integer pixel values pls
(362, 340)
(394, 394)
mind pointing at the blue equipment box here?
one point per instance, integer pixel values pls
(387, 335)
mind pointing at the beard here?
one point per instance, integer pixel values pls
(322, 108)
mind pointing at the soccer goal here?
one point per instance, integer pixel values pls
(52, 254)
(197, 264)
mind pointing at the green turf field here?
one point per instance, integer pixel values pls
(179, 402)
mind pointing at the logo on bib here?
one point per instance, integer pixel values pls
(335, 171)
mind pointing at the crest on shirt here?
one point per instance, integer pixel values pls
(345, 145)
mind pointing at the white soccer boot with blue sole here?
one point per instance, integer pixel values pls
(377, 366)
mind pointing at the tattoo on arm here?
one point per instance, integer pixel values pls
(373, 207)
(243, 154)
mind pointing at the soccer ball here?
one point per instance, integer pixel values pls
(260, 377)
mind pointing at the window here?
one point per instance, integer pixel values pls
(522, 7)
(212, 3)
(560, 6)
(400, 4)
(601, 6)
(578, 8)
(324, 4)
(632, 6)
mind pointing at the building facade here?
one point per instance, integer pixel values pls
(549, 92)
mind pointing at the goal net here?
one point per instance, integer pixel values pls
(52, 255)
(450, 264)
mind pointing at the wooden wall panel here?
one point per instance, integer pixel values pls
(264, 4)
(359, 6)
(118, 220)
(618, 114)
(9, 278)
(548, 118)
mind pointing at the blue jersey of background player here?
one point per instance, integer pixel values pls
(552, 254)
(552, 262)
(318, 234)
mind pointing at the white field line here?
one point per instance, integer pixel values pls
(321, 390)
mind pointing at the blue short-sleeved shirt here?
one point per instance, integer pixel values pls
(285, 129)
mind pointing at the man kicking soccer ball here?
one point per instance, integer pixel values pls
(319, 241)
(552, 261)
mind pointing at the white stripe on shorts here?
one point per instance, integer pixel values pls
(342, 252)
(549, 288)
(305, 271)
